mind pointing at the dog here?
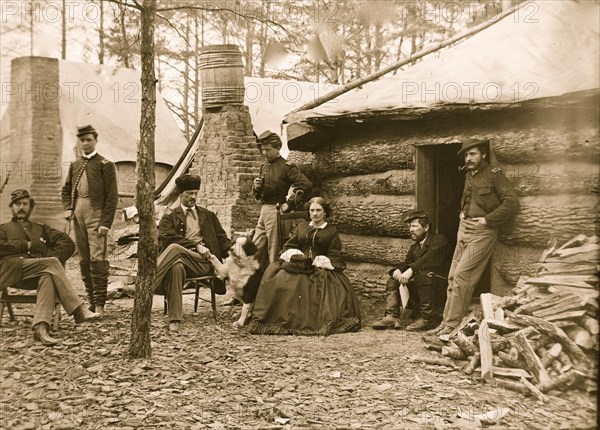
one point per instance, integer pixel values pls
(242, 269)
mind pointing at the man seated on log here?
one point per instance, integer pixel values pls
(427, 254)
(32, 256)
(188, 235)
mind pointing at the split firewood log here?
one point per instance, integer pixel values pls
(562, 382)
(580, 336)
(552, 354)
(534, 364)
(590, 324)
(465, 344)
(470, 367)
(511, 385)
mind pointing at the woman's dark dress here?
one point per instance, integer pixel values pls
(321, 303)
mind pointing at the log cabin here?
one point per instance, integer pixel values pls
(529, 83)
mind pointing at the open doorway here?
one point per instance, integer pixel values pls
(439, 186)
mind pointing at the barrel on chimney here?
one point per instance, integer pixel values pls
(222, 75)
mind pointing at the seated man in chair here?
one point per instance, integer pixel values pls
(188, 235)
(30, 251)
(427, 254)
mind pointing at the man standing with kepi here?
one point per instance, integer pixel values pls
(488, 201)
(32, 256)
(427, 254)
(271, 188)
(90, 198)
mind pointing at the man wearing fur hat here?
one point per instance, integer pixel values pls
(90, 198)
(32, 256)
(276, 177)
(188, 235)
(489, 200)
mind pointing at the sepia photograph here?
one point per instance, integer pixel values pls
(299, 214)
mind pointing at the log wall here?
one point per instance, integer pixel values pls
(550, 155)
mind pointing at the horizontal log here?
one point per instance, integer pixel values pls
(388, 251)
(395, 182)
(368, 279)
(532, 179)
(372, 215)
(562, 216)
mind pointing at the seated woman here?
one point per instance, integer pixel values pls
(297, 297)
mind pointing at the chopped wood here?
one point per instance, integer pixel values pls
(487, 306)
(471, 328)
(432, 343)
(536, 392)
(510, 361)
(565, 315)
(433, 360)
(566, 279)
(549, 280)
(551, 269)
(580, 239)
(584, 293)
(561, 382)
(499, 314)
(542, 302)
(511, 373)
(548, 251)
(565, 359)
(564, 323)
(557, 367)
(502, 326)
(511, 385)
(552, 354)
(584, 249)
(534, 363)
(466, 320)
(580, 336)
(470, 368)
(557, 334)
(465, 344)
(590, 324)
(454, 353)
(485, 350)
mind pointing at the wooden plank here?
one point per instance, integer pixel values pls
(548, 280)
(568, 304)
(485, 350)
(591, 247)
(499, 314)
(565, 315)
(511, 372)
(534, 363)
(536, 392)
(578, 240)
(486, 305)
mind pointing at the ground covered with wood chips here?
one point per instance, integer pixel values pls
(212, 376)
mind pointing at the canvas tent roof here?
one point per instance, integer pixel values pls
(109, 98)
(544, 49)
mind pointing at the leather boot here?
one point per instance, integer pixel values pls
(82, 315)
(100, 281)
(41, 333)
(86, 277)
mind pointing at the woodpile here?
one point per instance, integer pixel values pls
(544, 336)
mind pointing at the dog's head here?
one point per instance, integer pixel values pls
(242, 247)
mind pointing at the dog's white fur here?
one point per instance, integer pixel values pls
(237, 268)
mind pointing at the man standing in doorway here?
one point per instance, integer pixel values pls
(90, 198)
(271, 188)
(488, 201)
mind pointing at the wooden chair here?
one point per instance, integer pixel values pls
(7, 300)
(293, 216)
(193, 285)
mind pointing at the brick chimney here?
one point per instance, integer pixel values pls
(227, 159)
(32, 154)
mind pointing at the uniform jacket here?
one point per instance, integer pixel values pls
(102, 183)
(172, 229)
(488, 193)
(432, 257)
(278, 176)
(45, 242)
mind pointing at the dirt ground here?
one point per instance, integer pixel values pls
(212, 376)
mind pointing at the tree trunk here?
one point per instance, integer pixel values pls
(139, 346)
(101, 35)
(123, 42)
(197, 46)
(64, 30)
(373, 215)
(186, 81)
(249, 45)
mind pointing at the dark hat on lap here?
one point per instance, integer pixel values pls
(17, 195)
(187, 183)
(299, 264)
(86, 129)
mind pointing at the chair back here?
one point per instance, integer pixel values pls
(294, 217)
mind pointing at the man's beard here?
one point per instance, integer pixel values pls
(22, 214)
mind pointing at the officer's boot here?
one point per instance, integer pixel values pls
(86, 277)
(100, 283)
(41, 334)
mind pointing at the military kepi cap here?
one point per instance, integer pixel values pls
(469, 143)
(17, 195)
(414, 215)
(187, 183)
(269, 137)
(86, 129)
